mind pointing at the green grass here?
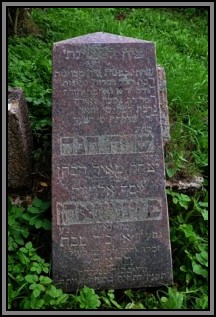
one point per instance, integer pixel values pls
(181, 38)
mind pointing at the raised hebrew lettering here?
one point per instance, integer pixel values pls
(119, 210)
(107, 144)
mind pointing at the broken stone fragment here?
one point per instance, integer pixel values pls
(20, 141)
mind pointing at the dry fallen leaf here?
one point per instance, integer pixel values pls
(29, 200)
(43, 184)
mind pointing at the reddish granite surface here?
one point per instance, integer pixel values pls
(110, 219)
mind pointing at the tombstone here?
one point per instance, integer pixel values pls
(20, 141)
(163, 104)
(110, 218)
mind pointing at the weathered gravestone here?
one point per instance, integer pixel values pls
(20, 141)
(110, 219)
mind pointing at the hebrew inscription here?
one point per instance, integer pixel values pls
(78, 212)
(107, 144)
(110, 220)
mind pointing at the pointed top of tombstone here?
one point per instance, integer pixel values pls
(99, 38)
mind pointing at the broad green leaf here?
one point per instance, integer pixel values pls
(38, 223)
(197, 268)
(201, 257)
(33, 301)
(28, 245)
(36, 292)
(183, 268)
(31, 278)
(205, 214)
(106, 300)
(34, 210)
(37, 202)
(45, 206)
(53, 291)
(115, 303)
(26, 216)
(62, 299)
(25, 232)
(33, 286)
(33, 220)
(25, 304)
(171, 171)
(19, 211)
(45, 280)
(11, 221)
(45, 269)
(88, 299)
(175, 200)
(20, 241)
(41, 287)
(23, 259)
(204, 255)
(185, 197)
(46, 224)
(203, 204)
(39, 303)
(183, 204)
(202, 302)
